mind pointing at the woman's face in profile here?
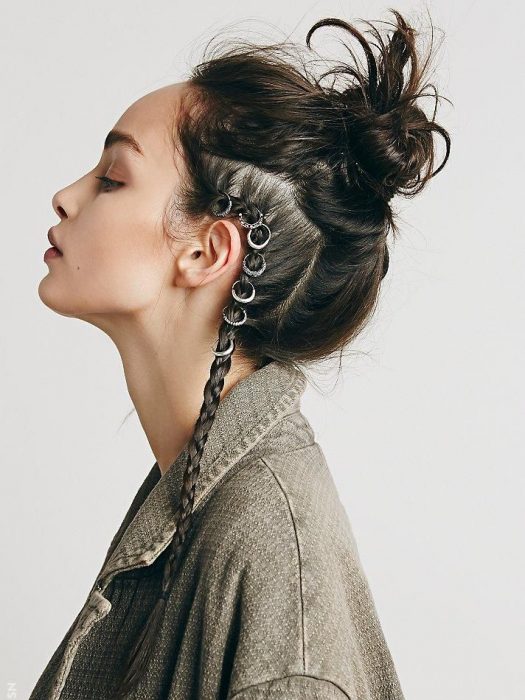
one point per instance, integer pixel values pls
(116, 255)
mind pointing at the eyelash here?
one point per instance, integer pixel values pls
(114, 184)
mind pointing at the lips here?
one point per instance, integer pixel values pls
(51, 239)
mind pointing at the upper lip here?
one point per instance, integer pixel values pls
(51, 238)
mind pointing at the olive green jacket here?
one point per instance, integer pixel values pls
(270, 601)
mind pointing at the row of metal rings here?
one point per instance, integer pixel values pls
(251, 273)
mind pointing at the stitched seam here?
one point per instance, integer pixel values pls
(290, 452)
(298, 552)
(293, 675)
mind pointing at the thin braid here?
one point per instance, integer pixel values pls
(254, 264)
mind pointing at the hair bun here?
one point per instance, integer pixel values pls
(388, 138)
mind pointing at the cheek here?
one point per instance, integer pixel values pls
(111, 266)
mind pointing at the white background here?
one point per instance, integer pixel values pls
(430, 398)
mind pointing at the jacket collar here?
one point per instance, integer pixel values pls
(243, 417)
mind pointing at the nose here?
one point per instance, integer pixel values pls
(59, 209)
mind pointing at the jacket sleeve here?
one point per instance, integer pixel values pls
(292, 688)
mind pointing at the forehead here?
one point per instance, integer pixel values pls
(149, 120)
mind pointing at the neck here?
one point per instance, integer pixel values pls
(166, 381)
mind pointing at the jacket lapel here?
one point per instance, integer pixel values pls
(245, 415)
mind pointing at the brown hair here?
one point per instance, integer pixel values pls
(322, 163)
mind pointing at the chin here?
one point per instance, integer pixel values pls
(52, 298)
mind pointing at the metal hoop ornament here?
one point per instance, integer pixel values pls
(254, 273)
(228, 206)
(223, 353)
(256, 224)
(234, 323)
(258, 246)
(241, 299)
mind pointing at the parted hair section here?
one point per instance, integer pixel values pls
(307, 163)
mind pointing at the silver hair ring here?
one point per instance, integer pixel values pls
(234, 323)
(228, 207)
(223, 353)
(258, 246)
(253, 273)
(240, 299)
(256, 224)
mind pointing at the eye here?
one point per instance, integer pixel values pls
(112, 184)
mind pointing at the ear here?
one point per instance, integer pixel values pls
(213, 253)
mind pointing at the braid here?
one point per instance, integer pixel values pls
(243, 292)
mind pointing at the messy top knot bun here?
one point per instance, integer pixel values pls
(321, 163)
(388, 137)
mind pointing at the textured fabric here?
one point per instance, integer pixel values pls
(270, 600)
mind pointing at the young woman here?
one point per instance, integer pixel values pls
(250, 203)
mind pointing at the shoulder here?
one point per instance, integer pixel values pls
(275, 528)
(262, 529)
(279, 502)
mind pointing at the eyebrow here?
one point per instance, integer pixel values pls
(127, 140)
